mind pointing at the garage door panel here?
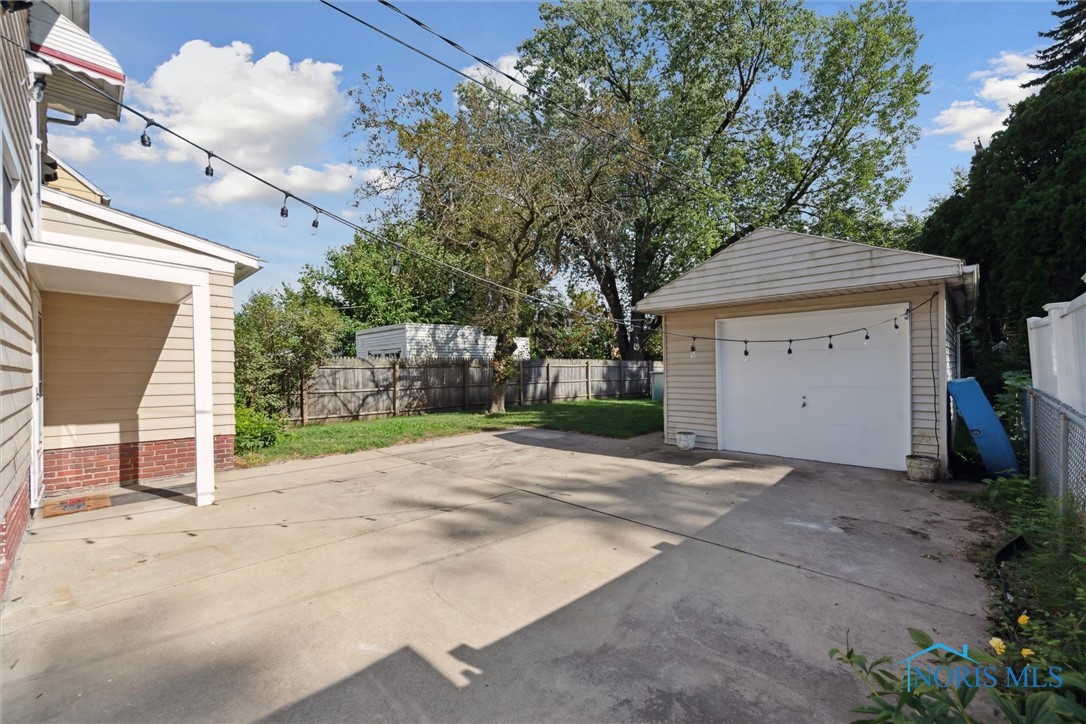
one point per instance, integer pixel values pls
(849, 405)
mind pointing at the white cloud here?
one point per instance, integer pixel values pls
(75, 149)
(1000, 88)
(506, 64)
(268, 115)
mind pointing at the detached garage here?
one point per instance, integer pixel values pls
(806, 347)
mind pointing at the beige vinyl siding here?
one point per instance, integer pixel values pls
(118, 370)
(691, 383)
(770, 264)
(222, 351)
(71, 185)
(16, 326)
(16, 378)
(67, 222)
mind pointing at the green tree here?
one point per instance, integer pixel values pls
(764, 113)
(1021, 214)
(496, 189)
(1069, 49)
(279, 340)
(374, 285)
(577, 328)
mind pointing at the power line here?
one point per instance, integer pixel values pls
(490, 284)
(700, 188)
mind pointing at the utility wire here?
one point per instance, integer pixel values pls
(320, 211)
(700, 188)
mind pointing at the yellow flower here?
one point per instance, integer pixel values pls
(997, 645)
(1023, 620)
(1026, 653)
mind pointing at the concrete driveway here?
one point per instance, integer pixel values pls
(518, 576)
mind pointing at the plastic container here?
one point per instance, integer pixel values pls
(685, 440)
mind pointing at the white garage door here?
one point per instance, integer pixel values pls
(849, 405)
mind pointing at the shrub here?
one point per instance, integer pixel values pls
(255, 430)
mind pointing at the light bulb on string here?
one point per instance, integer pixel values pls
(209, 170)
(284, 212)
(897, 329)
(746, 351)
(867, 336)
(452, 288)
(830, 347)
(906, 314)
(636, 343)
(693, 347)
(145, 139)
(396, 264)
(316, 224)
(789, 349)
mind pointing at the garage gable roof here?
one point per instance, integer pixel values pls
(775, 264)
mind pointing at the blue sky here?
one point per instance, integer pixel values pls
(265, 83)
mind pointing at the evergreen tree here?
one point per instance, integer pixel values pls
(1069, 50)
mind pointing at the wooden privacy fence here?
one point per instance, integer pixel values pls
(346, 388)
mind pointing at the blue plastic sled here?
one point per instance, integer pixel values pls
(984, 425)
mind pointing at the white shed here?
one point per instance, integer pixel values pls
(750, 364)
(429, 341)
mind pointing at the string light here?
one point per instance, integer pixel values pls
(636, 342)
(209, 171)
(897, 329)
(284, 213)
(693, 347)
(316, 223)
(789, 349)
(746, 351)
(867, 336)
(396, 264)
(452, 290)
(145, 138)
(830, 347)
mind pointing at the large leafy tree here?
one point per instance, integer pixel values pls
(734, 114)
(1021, 214)
(496, 188)
(1068, 51)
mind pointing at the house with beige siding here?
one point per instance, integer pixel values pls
(806, 347)
(116, 333)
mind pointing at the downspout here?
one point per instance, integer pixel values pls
(958, 346)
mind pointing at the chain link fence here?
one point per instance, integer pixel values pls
(1057, 446)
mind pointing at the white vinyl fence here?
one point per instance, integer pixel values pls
(1057, 352)
(1057, 400)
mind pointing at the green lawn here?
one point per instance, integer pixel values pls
(612, 418)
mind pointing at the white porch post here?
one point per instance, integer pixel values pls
(205, 421)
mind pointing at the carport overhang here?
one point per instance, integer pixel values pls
(153, 276)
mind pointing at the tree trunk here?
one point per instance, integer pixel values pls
(498, 386)
(503, 370)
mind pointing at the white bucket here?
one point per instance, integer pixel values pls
(685, 440)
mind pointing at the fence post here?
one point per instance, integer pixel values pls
(467, 376)
(588, 378)
(395, 388)
(547, 373)
(1032, 433)
(520, 384)
(621, 378)
(1064, 463)
(303, 401)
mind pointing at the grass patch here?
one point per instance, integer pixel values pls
(610, 418)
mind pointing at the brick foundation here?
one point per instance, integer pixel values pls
(12, 528)
(104, 466)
